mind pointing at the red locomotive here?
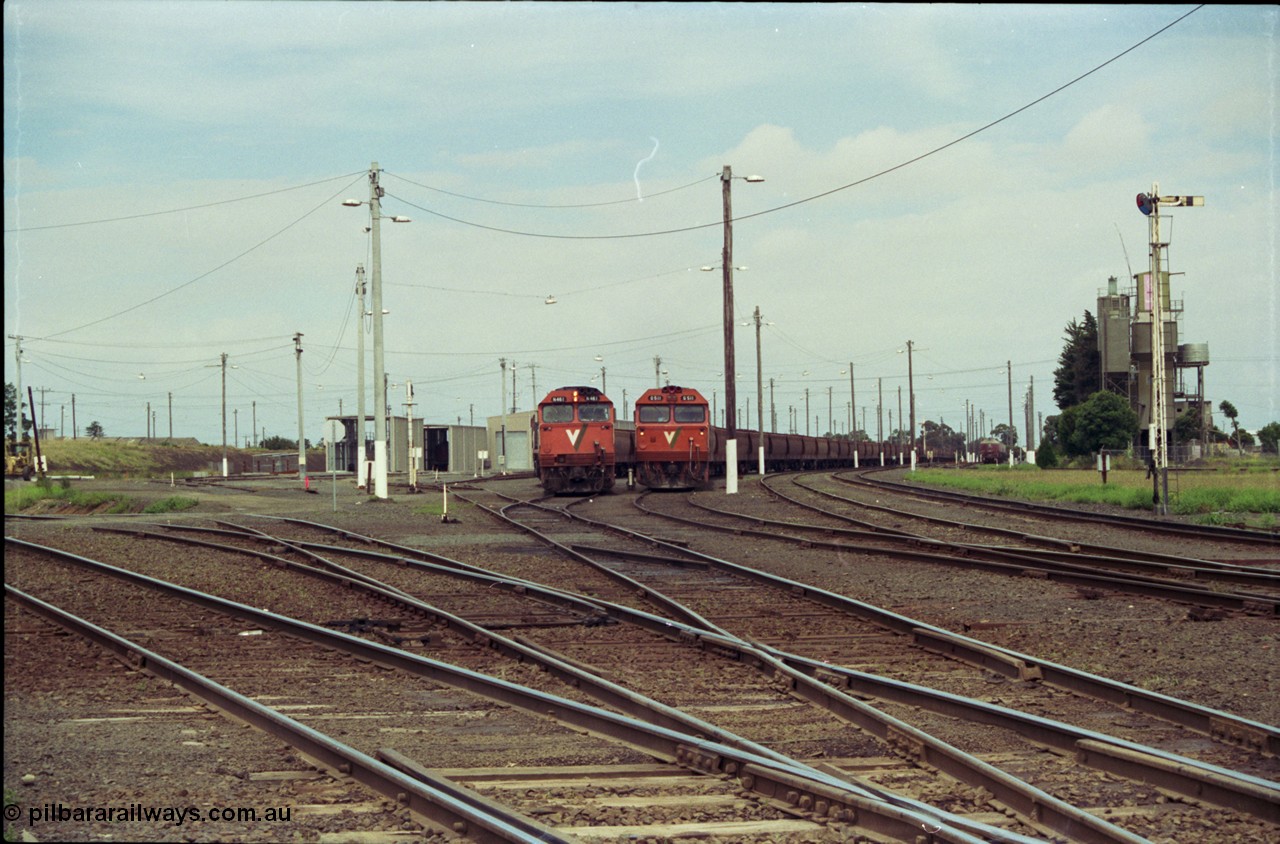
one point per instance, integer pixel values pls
(573, 449)
(674, 441)
(991, 450)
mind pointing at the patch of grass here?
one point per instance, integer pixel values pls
(1190, 493)
(26, 497)
(172, 504)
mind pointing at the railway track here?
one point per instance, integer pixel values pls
(473, 721)
(581, 631)
(1205, 583)
(1194, 539)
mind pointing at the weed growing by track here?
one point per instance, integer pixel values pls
(1215, 496)
(44, 495)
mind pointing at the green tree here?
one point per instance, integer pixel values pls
(1104, 421)
(1187, 428)
(93, 430)
(1269, 436)
(1005, 434)
(1077, 376)
(1046, 455)
(10, 412)
(940, 437)
(1229, 410)
(1050, 432)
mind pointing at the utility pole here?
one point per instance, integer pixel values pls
(255, 420)
(224, 414)
(148, 420)
(911, 403)
(235, 426)
(17, 357)
(657, 372)
(502, 453)
(880, 418)
(170, 414)
(43, 390)
(730, 371)
(1031, 414)
(302, 443)
(1012, 440)
(75, 432)
(806, 411)
(773, 411)
(899, 426)
(853, 410)
(760, 395)
(413, 462)
(361, 441)
(379, 350)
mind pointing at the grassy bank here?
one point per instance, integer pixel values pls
(1230, 493)
(50, 498)
(143, 459)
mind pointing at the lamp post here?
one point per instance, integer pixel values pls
(731, 441)
(759, 391)
(379, 354)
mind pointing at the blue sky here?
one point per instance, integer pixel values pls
(174, 173)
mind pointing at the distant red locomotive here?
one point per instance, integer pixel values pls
(674, 440)
(991, 450)
(574, 449)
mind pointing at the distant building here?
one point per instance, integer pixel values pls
(503, 445)
(1124, 348)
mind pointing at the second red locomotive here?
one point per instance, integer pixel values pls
(674, 440)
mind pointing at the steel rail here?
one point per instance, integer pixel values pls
(1223, 726)
(1032, 805)
(1179, 774)
(1019, 564)
(1220, 725)
(1210, 532)
(444, 806)
(1115, 557)
(801, 787)
(1140, 564)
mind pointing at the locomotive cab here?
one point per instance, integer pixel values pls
(673, 440)
(574, 441)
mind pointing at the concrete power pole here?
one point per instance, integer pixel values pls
(1012, 440)
(502, 448)
(17, 358)
(224, 414)
(360, 394)
(302, 443)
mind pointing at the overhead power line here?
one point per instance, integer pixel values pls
(826, 193)
(178, 210)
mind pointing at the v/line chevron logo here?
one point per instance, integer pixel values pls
(575, 436)
(672, 436)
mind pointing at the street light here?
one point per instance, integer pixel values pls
(759, 389)
(379, 360)
(730, 393)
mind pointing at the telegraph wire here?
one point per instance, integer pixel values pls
(223, 265)
(532, 205)
(857, 183)
(179, 210)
